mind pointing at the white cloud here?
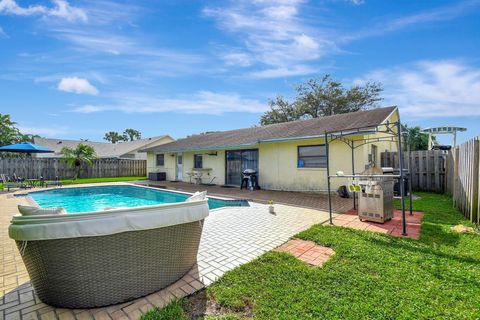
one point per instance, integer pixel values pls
(284, 38)
(63, 9)
(3, 34)
(273, 35)
(357, 2)
(201, 102)
(237, 59)
(89, 109)
(432, 88)
(443, 13)
(50, 131)
(60, 9)
(11, 7)
(295, 70)
(77, 85)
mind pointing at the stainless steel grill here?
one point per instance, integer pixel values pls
(375, 201)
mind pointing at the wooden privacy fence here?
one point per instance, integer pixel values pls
(456, 172)
(49, 168)
(466, 174)
(428, 168)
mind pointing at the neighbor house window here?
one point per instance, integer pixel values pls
(160, 160)
(198, 161)
(312, 156)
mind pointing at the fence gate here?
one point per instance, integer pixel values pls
(427, 168)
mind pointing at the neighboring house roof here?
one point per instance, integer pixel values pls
(103, 149)
(287, 130)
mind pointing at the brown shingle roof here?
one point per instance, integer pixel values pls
(286, 130)
(102, 149)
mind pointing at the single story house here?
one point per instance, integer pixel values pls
(288, 156)
(122, 150)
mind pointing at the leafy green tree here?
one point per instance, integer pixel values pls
(75, 157)
(131, 134)
(113, 137)
(320, 97)
(9, 133)
(415, 138)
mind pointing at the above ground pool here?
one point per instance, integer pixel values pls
(99, 198)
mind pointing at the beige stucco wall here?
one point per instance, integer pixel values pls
(215, 163)
(278, 164)
(168, 167)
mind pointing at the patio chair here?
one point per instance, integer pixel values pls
(54, 183)
(7, 184)
(190, 175)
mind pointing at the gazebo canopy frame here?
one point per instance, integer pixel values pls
(393, 133)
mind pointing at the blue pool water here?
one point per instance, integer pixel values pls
(88, 199)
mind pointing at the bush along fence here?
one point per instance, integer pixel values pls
(427, 168)
(50, 168)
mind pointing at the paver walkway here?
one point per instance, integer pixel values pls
(307, 251)
(312, 200)
(393, 227)
(232, 236)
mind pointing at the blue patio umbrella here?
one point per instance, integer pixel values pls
(25, 147)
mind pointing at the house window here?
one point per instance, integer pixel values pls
(198, 161)
(160, 160)
(312, 156)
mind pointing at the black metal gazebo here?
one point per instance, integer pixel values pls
(391, 132)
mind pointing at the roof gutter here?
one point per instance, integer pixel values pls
(258, 142)
(205, 149)
(317, 136)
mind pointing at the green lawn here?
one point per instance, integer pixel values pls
(96, 180)
(372, 276)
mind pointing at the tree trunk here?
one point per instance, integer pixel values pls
(77, 172)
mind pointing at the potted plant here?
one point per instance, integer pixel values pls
(271, 208)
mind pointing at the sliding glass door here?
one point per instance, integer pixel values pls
(237, 161)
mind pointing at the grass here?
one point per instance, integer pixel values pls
(99, 180)
(371, 276)
(95, 180)
(173, 311)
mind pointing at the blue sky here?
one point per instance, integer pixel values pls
(76, 69)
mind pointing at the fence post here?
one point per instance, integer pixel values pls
(474, 176)
(455, 175)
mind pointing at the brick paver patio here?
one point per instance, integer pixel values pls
(232, 236)
(312, 200)
(307, 251)
(393, 227)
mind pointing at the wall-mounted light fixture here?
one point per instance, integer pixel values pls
(212, 153)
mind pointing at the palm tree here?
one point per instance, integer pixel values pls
(113, 137)
(416, 139)
(75, 157)
(131, 134)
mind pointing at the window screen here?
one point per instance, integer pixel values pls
(160, 159)
(198, 161)
(312, 156)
